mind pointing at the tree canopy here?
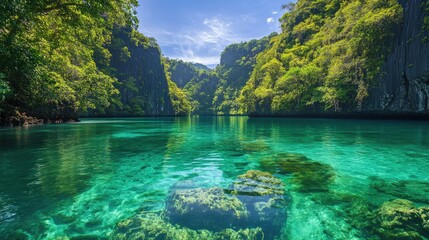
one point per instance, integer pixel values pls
(48, 50)
(329, 54)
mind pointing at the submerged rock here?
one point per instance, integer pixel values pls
(264, 197)
(254, 146)
(311, 176)
(253, 207)
(416, 191)
(153, 226)
(400, 219)
(204, 208)
(257, 183)
(240, 148)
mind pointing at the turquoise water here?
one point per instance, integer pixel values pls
(82, 179)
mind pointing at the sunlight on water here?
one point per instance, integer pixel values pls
(81, 180)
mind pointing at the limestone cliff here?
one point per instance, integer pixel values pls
(136, 63)
(404, 87)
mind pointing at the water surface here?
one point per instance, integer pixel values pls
(82, 179)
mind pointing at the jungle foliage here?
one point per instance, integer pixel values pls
(328, 56)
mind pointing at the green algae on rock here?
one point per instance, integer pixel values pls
(264, 197)
(242, 147)
(153, 226)
(311, 176)
(204, 208)
(413, 190)
(400, 219)
(254, 146)
(257, 183)
(256, 200)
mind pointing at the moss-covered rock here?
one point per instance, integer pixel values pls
(311, 176)
(257, 183)
(416, 191)
(400, 219)
(205, 208)
(243, 147)
(264, 197)
(254, 207)
(253, 146)
(153, 226)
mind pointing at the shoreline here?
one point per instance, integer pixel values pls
(356, 116)
(345, 116)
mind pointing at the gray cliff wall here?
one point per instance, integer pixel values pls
(143, 82)
(404, 88)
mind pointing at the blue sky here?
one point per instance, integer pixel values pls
(198, 30)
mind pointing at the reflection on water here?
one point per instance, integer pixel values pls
(83, 179)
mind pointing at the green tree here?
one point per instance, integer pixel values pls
(47, 54)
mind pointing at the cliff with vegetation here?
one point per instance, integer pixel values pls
(334, 57)
(62, 60)
(215, 92)
(142, 82)
(197, 81)
(183, 72)
(236, 64)
(47, 57)
(359, 58)
(404, 87)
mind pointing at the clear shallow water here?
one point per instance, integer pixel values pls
(82, 179)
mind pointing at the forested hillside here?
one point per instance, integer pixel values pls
(142, 82)
(59, 60)
(236, 64)
(216, 91)
(47, 63)
(343, 57)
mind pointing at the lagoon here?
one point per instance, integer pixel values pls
(80, 180)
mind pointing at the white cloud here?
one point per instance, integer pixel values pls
(248, 18)
(206, 60)
(215, 32)
(201, 43)
(274, 12)
(270, 20)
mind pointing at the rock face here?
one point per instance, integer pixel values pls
(404, 88)
(143, 84)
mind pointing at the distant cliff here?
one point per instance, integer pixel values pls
(404, 87)
(237, 62)
(216, 91)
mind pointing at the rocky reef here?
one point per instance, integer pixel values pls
(155, 226)
(253, 207)
(400, 219)
(310, 176)
(264, 197)
(397, 219)
(204, 208)
(239, 148)
(413, 190)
